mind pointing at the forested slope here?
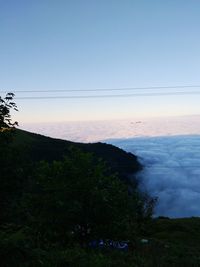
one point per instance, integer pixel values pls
(38, 147)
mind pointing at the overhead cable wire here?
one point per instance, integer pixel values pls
(105, 89)
(110, 96)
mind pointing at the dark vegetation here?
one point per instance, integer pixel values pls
(39, 147)
(57, 196)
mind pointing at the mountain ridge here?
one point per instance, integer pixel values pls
(39, 147)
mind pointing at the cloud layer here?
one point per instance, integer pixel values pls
(172, 172)
(92, 131)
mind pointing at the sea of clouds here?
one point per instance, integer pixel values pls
(171, 173)
(169, 149)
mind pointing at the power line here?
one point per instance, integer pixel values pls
(106, 89)
(109, 96)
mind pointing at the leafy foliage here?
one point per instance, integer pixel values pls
(9, 158)
(75, 199)
(6, 105)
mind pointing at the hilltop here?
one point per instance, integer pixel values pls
(38, 147)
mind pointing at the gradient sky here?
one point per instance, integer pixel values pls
(92, 44)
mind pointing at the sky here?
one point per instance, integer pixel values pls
(99, 44)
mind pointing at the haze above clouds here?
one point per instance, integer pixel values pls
(169, 148)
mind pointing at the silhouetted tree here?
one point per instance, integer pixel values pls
(75, 199)
(9, 158)
(6, 104)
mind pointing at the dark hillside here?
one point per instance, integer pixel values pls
(39, 147)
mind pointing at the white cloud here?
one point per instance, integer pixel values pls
(172, 172)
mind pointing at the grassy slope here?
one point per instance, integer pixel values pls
(172, 242)
(182, 230)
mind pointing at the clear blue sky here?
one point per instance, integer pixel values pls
(89, 44)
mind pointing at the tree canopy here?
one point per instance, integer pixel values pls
(6, 105)
(76, 199)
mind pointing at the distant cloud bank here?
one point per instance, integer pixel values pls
(172, 162)
(92, 131)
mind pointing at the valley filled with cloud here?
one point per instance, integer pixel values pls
(171, 173)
